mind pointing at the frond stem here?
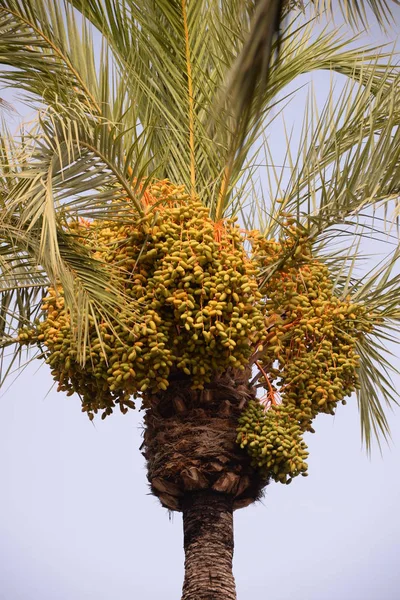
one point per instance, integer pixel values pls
(57, 51)
(27, 286)
(224, 188)
(8, 341)
(190, 99)
(121, 180)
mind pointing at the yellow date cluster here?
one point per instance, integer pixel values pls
(309, 361)
(193, 286)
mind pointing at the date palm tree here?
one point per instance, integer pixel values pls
(121, 262)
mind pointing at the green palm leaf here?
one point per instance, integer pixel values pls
(356, 12)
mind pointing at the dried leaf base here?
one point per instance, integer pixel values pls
(190, 442)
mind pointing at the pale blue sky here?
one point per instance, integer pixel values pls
(77, 521)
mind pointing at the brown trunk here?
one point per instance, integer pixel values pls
(208, 543)
(190, 442)
(194, 465)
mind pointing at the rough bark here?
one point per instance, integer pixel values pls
(194, 465)
(190, 443)
(208, 543)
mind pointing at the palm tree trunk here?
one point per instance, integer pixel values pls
(208, 543)
(195, 466)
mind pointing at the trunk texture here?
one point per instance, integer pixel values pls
(190, 443)
(208, 543)
(194, 465)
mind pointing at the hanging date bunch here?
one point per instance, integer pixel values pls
(197, 306)
(308, 362)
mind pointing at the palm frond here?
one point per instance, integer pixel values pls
(355, 12)
(376, 383)
(346, 161)
(379, 291)
(156, 50)
(6, 107)
(169, 47)
(251, 68)
(62, 169)
(301, 53)
(174, 60)
(47, 55)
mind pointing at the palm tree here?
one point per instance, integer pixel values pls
(122, 264)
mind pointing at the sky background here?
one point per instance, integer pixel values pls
(77, 521)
